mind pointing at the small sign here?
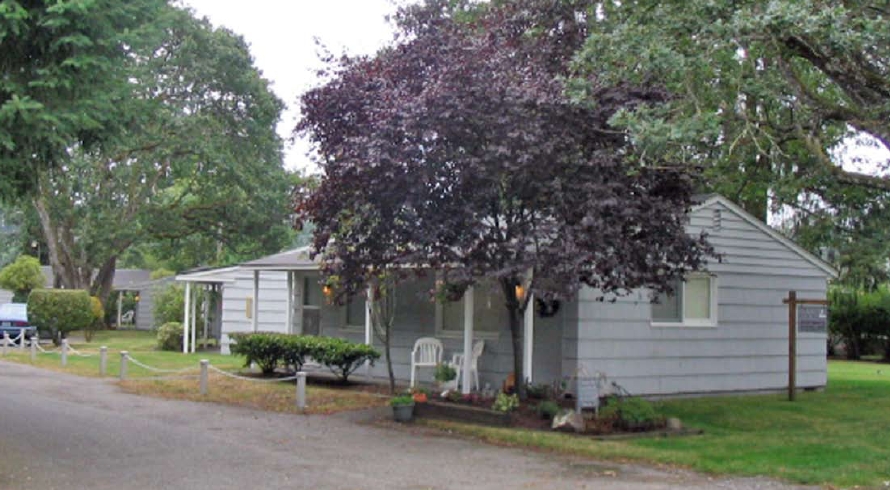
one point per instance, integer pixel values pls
(588, 393)
(812, 319)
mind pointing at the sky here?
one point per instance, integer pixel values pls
(282, 35)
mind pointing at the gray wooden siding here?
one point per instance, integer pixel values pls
(5, 296)
(746, 351)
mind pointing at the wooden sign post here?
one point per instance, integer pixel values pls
(792, 301)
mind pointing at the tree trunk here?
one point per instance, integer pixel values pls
(514, 309)
(104, 280)
(387, 350)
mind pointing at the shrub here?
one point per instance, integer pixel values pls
(170, 336)
(402, 400)
(59, 311)
(506, 403)
(265, 349)
(21, 277)
(631, 413)
(548, 409)
(169, 304)
(343, 357)
(98, 318)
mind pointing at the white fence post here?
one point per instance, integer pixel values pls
(103, 360)
(21, 339)
(301, 390)
(204, 363)
(34, 341)
(123, 374)
(5, 342)
(64, 352)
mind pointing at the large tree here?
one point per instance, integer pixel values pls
(62, 80)
(198, 155)
(458, 150)
(770, 98)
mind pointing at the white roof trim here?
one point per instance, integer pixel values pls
(208, 276)
(816, 261)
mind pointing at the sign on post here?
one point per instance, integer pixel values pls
(812, 319)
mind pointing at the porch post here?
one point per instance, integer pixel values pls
(467, 380)
(194, 329)
(290, 302)
(185, 320)
(256, 300)
(529, 338)
(205, 311)
(369, 337)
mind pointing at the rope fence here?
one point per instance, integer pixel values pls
(204, 367)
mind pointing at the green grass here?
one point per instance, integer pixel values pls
(840, 437)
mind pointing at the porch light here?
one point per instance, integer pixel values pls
(520, 292)
(136, 298)
(327, 291)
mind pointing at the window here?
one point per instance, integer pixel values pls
(489, 313)
(692, 304)
(311, 306)
(355, 312)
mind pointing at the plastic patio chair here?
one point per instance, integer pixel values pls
(427, 353)
(458, 362)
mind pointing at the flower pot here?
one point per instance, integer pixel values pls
(403, 413)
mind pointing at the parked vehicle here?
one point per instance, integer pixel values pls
(13, 318)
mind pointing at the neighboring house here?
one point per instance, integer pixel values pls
(725, 330)
(135, 280)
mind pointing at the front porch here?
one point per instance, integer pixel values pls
(297, 304)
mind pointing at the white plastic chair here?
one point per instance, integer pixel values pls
(458, 362)
(427, 353)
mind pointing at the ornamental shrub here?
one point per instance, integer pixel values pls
(266, 349)
(21, 277)
(505, 403)
(343, 357)
(631, 413)
(170, 336)
(59, 311)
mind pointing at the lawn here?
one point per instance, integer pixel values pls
(839, 437)
(141, 346)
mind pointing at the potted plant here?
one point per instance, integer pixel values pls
(445, 376)
(419, 395)
(402, 408)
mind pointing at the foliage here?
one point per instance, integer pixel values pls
(770, 99)
(383, 316)
(631, 413)
(98, 322)
(506, 403)
(127, 301)
(548, 409)
(161, 273)
(457, 148)
(401, 401)
(343, 357)
(200, 158)
(445, 373)
(860, 319)
(63, 80)
(270, 350)
(169, 304)
(170, 336)
(21, 277)
(59, 311)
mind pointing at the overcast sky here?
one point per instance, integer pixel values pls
(281, 34)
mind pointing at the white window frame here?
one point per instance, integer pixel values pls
(710, 322)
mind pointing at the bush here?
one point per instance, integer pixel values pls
(860, 320)
(264, 349)
(402, 400)
(21, 277)
(506, 403)
(270, 350)
(59, 311)
(445, 372)
(170, 336)
(343, 357)
(169, 304)
(548, 409)
(98, 322)
(631, 413)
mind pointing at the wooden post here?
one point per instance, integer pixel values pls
(123, 373)
(103, 360)
(34, 341)
(64, 352)
(792, 344)
(21, 339)
(204, 363)
(301, 390)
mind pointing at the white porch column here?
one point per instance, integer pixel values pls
(467, 380)
(205, 311)
(185, 320)
(194, 323)
(256, 300)
(369, 333)
(290, 302)
(528, 337)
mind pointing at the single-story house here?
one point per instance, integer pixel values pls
(725, 330)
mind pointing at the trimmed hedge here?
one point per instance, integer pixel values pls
(270, 350)
(170, 336)
(59, 311)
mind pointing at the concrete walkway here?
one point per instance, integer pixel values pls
(62, 431)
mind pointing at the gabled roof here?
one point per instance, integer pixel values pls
(208, 275)
(707, 200)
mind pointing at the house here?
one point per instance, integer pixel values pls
(726, 329)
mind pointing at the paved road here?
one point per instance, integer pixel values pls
(61, 431)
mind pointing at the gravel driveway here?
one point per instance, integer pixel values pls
(62, 431)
